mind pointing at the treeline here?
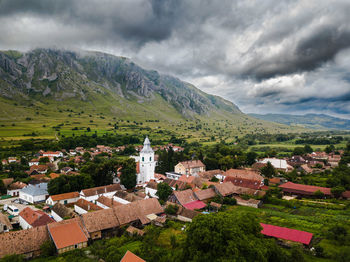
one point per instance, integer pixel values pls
(320, 140)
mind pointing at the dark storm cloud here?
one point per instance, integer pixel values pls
(275, 54)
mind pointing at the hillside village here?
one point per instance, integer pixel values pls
(73, 220)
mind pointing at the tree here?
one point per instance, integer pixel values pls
(171, 209)
(298, 151)
(44, 160)
(47, 249)
(163, 191)
(268, 170)
(251, 158)
(3, 189)
(214, 237)
(337, 191)
(319, 194)
(329, 149)
(86, 156)
(308, 149)
(128, 176)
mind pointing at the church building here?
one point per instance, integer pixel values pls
(146, 163)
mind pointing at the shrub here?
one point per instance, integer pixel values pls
(171, 209)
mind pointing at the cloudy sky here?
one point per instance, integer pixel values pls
(266, 56)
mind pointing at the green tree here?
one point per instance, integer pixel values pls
(329, 149)
(251, 158)
(171, 209)
(308, 149)
(44, 160)
(47, 249)
(268, 170)
(337, 191)
(3, 189)
(163, 191)
(298, 151)
(86, 156)
(128, 176)
(319, 194)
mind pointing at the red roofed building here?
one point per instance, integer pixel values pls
(195, 205)
(67, 236)
(286, 234)
(300, 189)
(131, 257)
(29, 218)
(244, 178)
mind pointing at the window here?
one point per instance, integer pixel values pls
(65, 202)
(75, 246)
(143, 159)
(150, 158)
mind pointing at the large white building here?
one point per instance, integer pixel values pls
(147, 164)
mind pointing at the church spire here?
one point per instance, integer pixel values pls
(147, 146)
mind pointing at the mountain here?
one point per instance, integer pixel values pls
(314, 121)
(43, 88)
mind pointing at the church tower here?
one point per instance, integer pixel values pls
(147, 163)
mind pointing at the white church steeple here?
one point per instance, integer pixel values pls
(147, 163)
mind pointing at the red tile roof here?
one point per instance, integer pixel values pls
(304, 189)
(131, 257)
(35, 218)
(249, 183)
(286, 233)
(192, 164)
(65, 196)
(195, 205)
(66, 235)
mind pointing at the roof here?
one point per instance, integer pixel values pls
(185, 196)
(172, 183)
(109, 202)
(39, 167)
(205, 194)
(4, 220)
(62, 210)
(101, 190)
(54, 175)
(275, 180)
(65, 235)
(192, 164)
(23, 241)
(195, 205)
(277, 163)
(286, 233)
(127, 196)
(86, 205)
(7, 181)
(35, 218)
(17, 185)
(243, 174)
(304, 189)
(64, 196)
(187, 179)
(152, 184)
(100, 220)
(147, 146)
(214, 204)
(134, 230)
(242, 182)
(131, 257)
(209, 174)
(225, 189)
(35, 190)
(187, 213)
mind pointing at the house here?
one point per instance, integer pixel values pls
(65, 198)
(12, 160)
(52, 154)
(244, 178)
(134, 231)
(67, 236)
(176, 184)
(106, 202)
(225, 189)
(187, 199)
(24, 242)
(34, 162)
(275, 181)
(286, 234)
(38, 169)
(66, 169)
(124, 197)
(7, 181)
(213, 206)
(83, 206)
(29, 218)
(131, 257)
(210, 174)
(248, 203)
(92, 194)
(307, 190)
(205, 195)
(186, 215)
(305, 168)
(173, 175)
(14, 188)
(34, 193)
(60, 212)
(151, 189)
(279, 164)
(5, 224)
(190, 167)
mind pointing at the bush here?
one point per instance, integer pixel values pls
(47, 249)
(171, 209)
(230, 201)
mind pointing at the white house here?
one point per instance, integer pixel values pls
(53, 154)
(92, 194)
(173, 175)
(83, 206)
(280, 164)
(106, 202)
(14, 188)
(33, 162)
(34, 193)
(147, 164)
(64, 198)
(151, 189)
(29, 218)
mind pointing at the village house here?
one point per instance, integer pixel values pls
(151, 189)
(14, 188)
(34, 193)
(244, 178)
(173, 175)
(24, 242)
(134, 231)
(67, 236)
(175, 184)
(106, 202)
(125, 197)
(279, 164)
(33, 162)
(29, 218)
(249, 202)
(52, 154)
(5, 224)
(65, 198)
(60, 212)
(92, 194)
(190, 167)
(187, 199)
(83, 206)
(38, 169)
(286, 234)
(205, 195)
(12, 160)
(210, 174)
(131, 257)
